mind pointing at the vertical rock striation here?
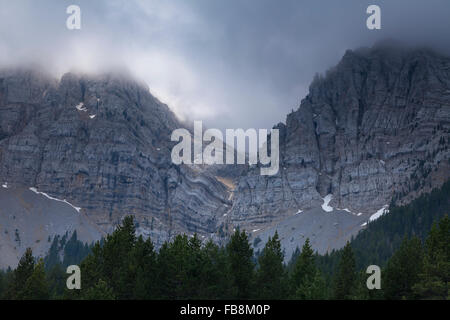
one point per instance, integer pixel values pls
(374, 129)
(102, 143)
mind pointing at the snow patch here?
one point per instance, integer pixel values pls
(299, 211)
(5, 185)
(379, 213)
(254, 230)
(325, 206)
(52, 198)
(351, 212)
(364, 224)
(92, 116)
(346, 210)
(81, 107)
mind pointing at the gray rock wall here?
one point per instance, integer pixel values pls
(102, 143)
(374, 128)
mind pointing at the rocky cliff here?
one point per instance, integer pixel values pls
(102, 143)
(372, 130)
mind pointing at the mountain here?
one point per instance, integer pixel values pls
(384, 236)
(373, 130)
(29, 219)
(102, 144)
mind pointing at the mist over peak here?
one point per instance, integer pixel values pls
(228, 64)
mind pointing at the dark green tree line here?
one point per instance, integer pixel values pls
(124, 266)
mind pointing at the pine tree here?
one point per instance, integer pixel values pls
(52, 257)
(21, 274)
(403, 270)
(92, 267)
(74, 251)
(2, 283)
(271, 277)
(240, 255)
(181, 266)
(307, 282)
(116, 256)
(216, 274)
(36, 286)
(144, 269)
(433, 281)
(172, 262)
(197, 261)
(345, 277)
(101, 291)
(112, 261)
(56, 279)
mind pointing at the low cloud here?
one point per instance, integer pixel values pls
(229, 63)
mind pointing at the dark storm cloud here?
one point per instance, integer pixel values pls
(230, 63)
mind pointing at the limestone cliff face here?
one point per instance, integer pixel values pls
(102, 143)
(375, 128)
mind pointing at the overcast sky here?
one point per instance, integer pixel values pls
(230, 63)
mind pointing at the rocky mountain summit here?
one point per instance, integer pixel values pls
(372, 130)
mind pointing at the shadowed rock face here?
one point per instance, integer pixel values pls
(102, 143)
(374, 128)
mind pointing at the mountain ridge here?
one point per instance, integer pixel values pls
(102, 143)
(372, 130)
